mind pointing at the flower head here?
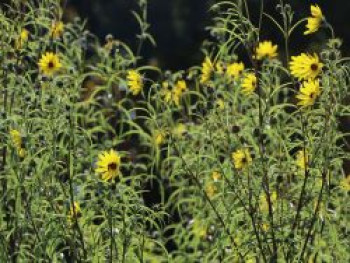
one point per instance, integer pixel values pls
(207, 70)
(235, 69)
(23, 37)
(108, 165)
(49, 63)
(135, 83)
(249, 84)
(305, 66)
(314, 22)
(210, 190)
(173, 94)
(216, 176)
(241, 158)
(57, 29)
(74, 211)
(159, 137)
(17, 141)
(309, 92)
(266, 50)
(302, 159)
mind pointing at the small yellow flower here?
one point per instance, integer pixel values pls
(16, 138)
(49, 63)
(173, 95)
(220, 103)
(158, 137)
(314, 22)
(108, 165)
(249, 83)
(216, 176)
(302, 159)
(235, 69)
(264, 205)
(211, 190)
(309, 92)
(74, 211)
(207, 70)
(57, 29)
(241, 158)
(198, 229)
(220, 67)
(23, 37)
(266, 50)
(135, 83)
(305, 66)
(345, 184)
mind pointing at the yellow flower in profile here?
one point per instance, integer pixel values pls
(345, 184)
(23, 37)
(210, 190)
(249, 83)
(219, 67)
(16, 138)
(173, 95)
(235, 69)
(49, 63)
(314, 22)
(207, 70)
(264, 205)
(179, 88)
(135, 83)
(241, 158)
(309, 92)
(266, 49)
(108, 165)
(216, 176)
(158, 137)
(305, 66)
(302, 159)
(74, 211)
(57, 29)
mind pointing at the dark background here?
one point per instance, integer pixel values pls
(179, 25)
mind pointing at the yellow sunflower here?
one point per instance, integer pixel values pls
(135, 83)
(57, 29)
(49, 63)
(16, 138)
(158, 137)
(302, 159)
(314, 22)
(266, 49)
(216, 176)
(207, 70)
(305, 66)
(211, 190)
(108, 165)
(241, 158)
(309, 92)
(173, 95)
(235, 69)
(249, 84)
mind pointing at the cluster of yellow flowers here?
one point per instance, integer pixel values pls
(17, 141)
(173, 94)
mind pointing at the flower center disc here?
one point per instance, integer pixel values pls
(112, 166)
(314, 67)
(50, 65)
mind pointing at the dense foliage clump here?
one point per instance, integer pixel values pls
(240, 159)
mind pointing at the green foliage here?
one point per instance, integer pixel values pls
(244, 171)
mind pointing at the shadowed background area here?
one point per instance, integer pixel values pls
(179, 26)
